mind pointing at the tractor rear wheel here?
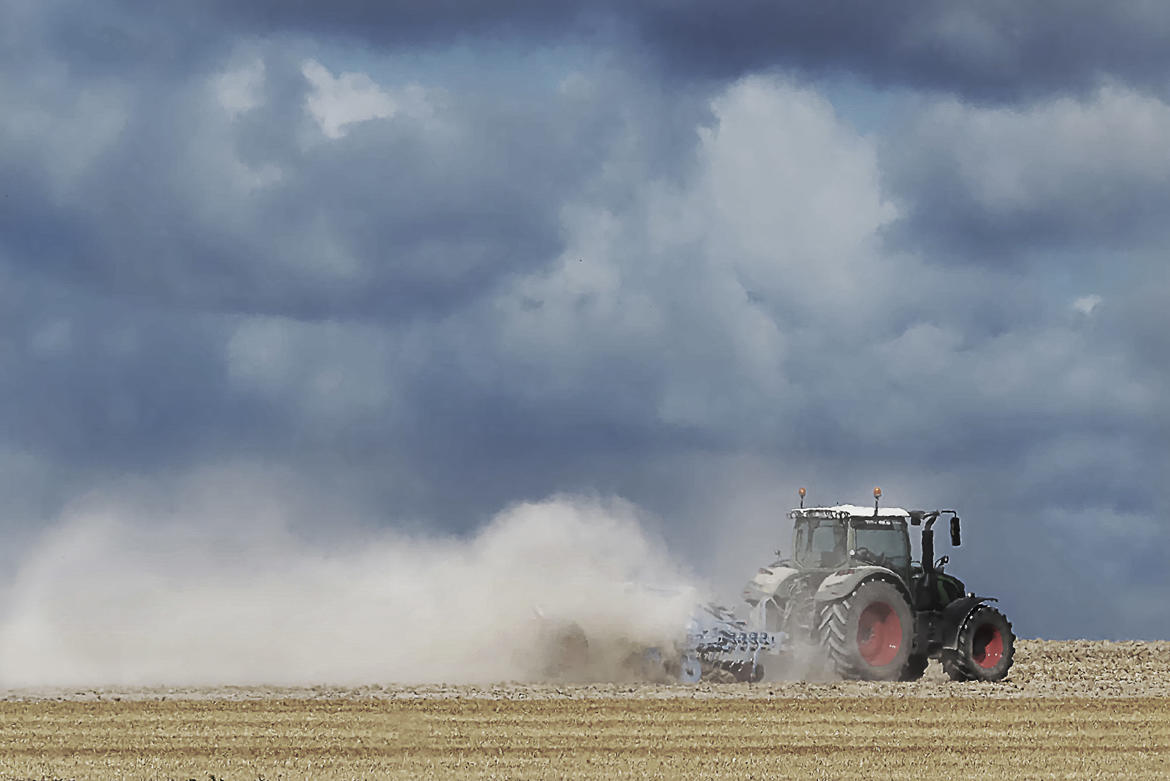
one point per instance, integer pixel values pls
(868, 634)
(985, 647)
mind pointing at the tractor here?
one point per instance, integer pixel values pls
(851, 590)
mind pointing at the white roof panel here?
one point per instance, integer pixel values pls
(857, 510)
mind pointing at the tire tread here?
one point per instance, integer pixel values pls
(833, 634)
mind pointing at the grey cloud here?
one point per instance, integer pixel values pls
(993, 184)
(162, 257)
(993, 51)
(258, 211)
(91, 383)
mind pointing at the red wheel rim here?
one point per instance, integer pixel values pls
(987, 646)
(879, 634)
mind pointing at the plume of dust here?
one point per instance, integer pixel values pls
(114, 598)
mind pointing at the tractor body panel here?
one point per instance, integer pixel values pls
(767, 582)
(841, 584)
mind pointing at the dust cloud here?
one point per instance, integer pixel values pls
(116, 595)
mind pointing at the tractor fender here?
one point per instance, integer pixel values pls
(955, 614)
(844, 582)
(766, 582)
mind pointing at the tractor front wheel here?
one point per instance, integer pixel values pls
(868, 634)
(985, 647)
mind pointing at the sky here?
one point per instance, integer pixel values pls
(407, 264)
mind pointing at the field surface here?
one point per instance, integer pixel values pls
(1069, 710)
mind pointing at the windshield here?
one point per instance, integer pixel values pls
(882, 543)
(820, 542)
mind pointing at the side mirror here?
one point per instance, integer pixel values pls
(916, 517)
(956, 535)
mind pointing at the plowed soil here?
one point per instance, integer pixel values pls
(1068, 710)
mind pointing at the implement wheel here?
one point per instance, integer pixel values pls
(869, 634)
(985, 647)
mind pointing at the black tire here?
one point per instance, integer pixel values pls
(868, 634)
(952, 668)
(750, 673)
(915, 667)
(986, 647)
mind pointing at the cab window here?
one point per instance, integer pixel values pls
(820, 543)
(884, 544)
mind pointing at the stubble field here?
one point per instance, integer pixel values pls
(1068, 710)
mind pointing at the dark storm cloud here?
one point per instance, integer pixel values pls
(90, 381)
(990, 51)
(264, 214)
(145, 212)
(410, 22)
(997, 50)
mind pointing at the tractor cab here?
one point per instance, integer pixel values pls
(832, 538)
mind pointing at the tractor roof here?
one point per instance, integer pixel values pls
(848, 511)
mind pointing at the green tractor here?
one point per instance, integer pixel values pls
(851, 590)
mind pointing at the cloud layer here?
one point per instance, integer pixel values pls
(416, 265)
